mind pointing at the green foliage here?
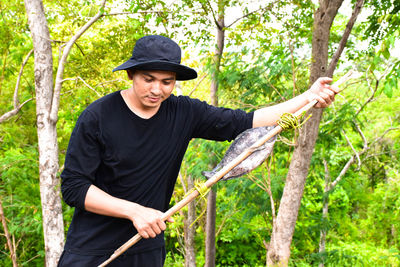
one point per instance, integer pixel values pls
(383, 22)
(355, 254)
(19, 190)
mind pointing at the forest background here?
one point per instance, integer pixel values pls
(266, 59)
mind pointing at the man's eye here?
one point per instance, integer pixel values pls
(148, 80)
(167, 83)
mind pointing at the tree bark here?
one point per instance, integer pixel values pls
(282, 234)
(210, 229)
(53, 226)
(212, 195)
(189, 231)
(325, 209)
(47, 105)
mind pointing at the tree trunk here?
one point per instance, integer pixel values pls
(189, 231)
(53, 226)
(322, 236)
(210, 229)
(212, 195)
(325, 207)
(282, 234)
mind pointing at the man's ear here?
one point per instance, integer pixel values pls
(130, 74)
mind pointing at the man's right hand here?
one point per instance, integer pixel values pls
(147, 221)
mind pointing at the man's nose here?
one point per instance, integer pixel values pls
(156, 88)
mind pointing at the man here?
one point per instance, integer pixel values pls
(126, 149)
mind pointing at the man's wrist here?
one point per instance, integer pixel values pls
(309, 96)
(129, 209)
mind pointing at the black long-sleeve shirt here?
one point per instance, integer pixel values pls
(134, 159)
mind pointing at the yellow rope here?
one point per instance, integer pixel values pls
(203, 191)
(289, 121)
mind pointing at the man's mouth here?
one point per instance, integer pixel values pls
(154, 99)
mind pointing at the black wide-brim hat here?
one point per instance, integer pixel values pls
(156, 52)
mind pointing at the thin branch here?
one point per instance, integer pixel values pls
(373, 90)
(367, 80)
(182, 182)
(372, 96)
(384, 133)
(365, 149)
(13, 112)
(352, 148)
(250, 13)
(365, 142)
(146, 12)
(343, 172)
(31, 259)
(111, 81)
(293, 68)
(80, 49)
(382, 153)
(258, 183)
(242, 104)
(345, 37)
(222, 224)
(61, 66)
(16, 101)
(276, 90)
(13, 256)
(84, 82)
(17, 106)
(212, 11)
(269, 191)
(197, 85)
(327, 175)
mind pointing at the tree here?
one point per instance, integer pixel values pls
(47, 104)
(53, 225)
(212, 195)
(279, 250)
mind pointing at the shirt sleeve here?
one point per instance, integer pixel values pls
(220, 124)
(81, 161)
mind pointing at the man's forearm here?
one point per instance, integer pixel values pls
(321, 90)
(147, 221)
(270, 115)
(98, 201)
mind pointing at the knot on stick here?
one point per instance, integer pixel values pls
(289, 121)
(203, 191)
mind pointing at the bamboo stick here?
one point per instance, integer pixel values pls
(217, 176)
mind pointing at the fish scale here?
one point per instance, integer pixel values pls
(242, 142)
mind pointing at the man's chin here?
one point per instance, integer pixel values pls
(152, 105)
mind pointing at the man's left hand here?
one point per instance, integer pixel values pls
(323, 92)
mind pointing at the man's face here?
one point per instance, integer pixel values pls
(150, 88)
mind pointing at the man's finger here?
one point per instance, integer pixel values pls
(152, 232)
(321, 101)
(324, 80)
(144, 234)
(162, 226)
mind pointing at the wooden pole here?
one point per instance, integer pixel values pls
(221, 173)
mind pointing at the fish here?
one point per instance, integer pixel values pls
(242, 142)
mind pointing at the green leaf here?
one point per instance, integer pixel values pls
(388, 90)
